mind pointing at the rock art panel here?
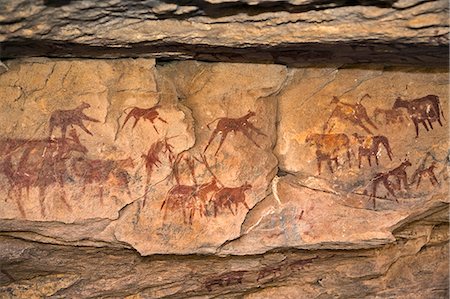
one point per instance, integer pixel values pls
(211, 187)
(370, 132)
(67, 152)
(193, 158)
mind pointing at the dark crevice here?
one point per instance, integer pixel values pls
(56, 3)
(294, 55)
(224, 9)
(219, 10)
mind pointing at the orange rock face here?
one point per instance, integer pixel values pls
(224, 159)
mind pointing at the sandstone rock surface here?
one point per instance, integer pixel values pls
(102, 157)
(286, 32)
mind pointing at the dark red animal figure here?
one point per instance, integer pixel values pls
(398, 173)
(354, 113)
(225, 125)
(72, 117)
(42, 162)
(190, 198)
(100, 171)
(370, 146)
(226, 279)
(180, 196)
(299, 264)
(425, 172)
(151, 114)
(269, 271)
(152, 160)
(328, 148)
(388, 116)
(226, 196)
(422, 111)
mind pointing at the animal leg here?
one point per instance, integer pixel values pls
(368, 159)
(101, 194)
(359, 123)
(51, 127)
(405, 182)
(81, 125)
(163, 120)
(247, 134)
(230, 207)
(19, 204)
(349, 159)
(135, 121)
(154, 127)
(373, 195)
(63, 132)
(416, 126)
(359, 160)
(371, 123)
(319, 165)
(41, 199)
(213, 135)
(388, 149)
(258, 131)
(389, 188)
(222, 139)
(147, 181)
(433, 179)
(63, 192)
(246, 205)
(215, 210)
(376, 159)
(184, 215)
(330, 165)
(425, 125)
(418, 181)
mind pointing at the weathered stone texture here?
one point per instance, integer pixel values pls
(397, 32)
(160, 181)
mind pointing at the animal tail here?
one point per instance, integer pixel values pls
(364, 97)
(127, 118)
(212, 122)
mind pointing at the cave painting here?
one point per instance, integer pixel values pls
(353, 113)
(225, 197)
(152, 159)
(329, 147)
(41, 163)
(421, 172)
(102, 171)
(226, 279)
(188, 198)
(270, 272)
(369, 146)
(226, 125)
(151, 114)
(422, 111)
(398, 174)
(72, 117)
(388, 116)
(196, 198)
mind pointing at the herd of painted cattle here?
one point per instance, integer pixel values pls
(41, 163)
